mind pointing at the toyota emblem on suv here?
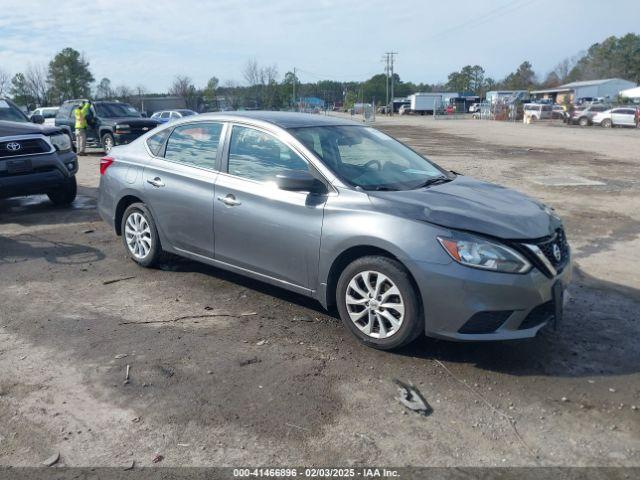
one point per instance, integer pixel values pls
(556, 252)
(13, 146)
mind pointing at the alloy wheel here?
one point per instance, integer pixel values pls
(375, 304)
(138, 235)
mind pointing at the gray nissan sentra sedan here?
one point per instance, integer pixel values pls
(345, 214)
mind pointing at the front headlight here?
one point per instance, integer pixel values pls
(478, 252)
(61, 141)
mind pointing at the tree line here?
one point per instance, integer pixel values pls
(68, 76)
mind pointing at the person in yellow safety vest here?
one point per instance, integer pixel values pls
(81, 126)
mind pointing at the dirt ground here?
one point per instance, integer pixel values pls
(229, 371)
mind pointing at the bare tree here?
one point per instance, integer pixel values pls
(263, 85)
(183, 87)
(251, 73)
(5, 82)
(123, 93)
(563, 69)
(104, 90)
(36, 81)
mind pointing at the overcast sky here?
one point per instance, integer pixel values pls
(148, 42)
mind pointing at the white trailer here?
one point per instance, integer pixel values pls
(425, 102)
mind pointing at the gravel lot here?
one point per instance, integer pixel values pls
(228, 371)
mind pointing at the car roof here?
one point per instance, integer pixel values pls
(280, 119)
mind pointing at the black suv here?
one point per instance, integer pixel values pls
(35, 159)
(108, 123)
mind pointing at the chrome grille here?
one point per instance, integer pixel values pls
(27, 146)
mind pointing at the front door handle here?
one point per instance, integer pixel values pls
(230, 201)
(156, 182)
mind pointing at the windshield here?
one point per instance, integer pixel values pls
(366, 158)
(10, 113)
(186, 113)
(111, 110)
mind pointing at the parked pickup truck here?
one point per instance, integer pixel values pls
(108, 123)
(35, 159)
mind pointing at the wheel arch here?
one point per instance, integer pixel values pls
(105, 129)
(351, 254)
(122, 205)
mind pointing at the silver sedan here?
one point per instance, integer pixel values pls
(345, 214)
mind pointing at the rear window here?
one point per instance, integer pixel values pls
(65, 110)
(10, 113)
(49, 112)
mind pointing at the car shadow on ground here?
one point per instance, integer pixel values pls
(598, 335)
(24, 247)
(173, 263)
(38, 210)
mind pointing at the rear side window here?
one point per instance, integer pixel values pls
(156, 142)
(195, 144)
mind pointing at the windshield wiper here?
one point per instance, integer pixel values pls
(433, 181)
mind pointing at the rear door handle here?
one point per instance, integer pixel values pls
(156, 182)
(230, 201)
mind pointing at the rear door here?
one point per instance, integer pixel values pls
(179, 186)
(627, 117)
(259, 227)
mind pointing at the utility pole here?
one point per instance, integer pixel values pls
(386, 71)
(390, 59)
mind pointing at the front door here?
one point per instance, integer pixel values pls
(179, 186)
(259, 227)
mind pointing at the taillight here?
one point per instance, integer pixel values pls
(105, 162)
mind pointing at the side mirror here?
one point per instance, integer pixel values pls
(300, 182)
(39, 119)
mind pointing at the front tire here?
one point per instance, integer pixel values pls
(378, 303)
(64, 195)
(606, 123)
(140, 235)
(107, 142)
(583, 122)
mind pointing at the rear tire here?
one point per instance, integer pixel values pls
(140, 235)
(64, 195)
(393, 319)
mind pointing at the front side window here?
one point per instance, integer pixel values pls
(261, 157)
(195, 144)
(366, 158)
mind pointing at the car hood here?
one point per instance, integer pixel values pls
(9, 129)
(473, 205)
(137, 121)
